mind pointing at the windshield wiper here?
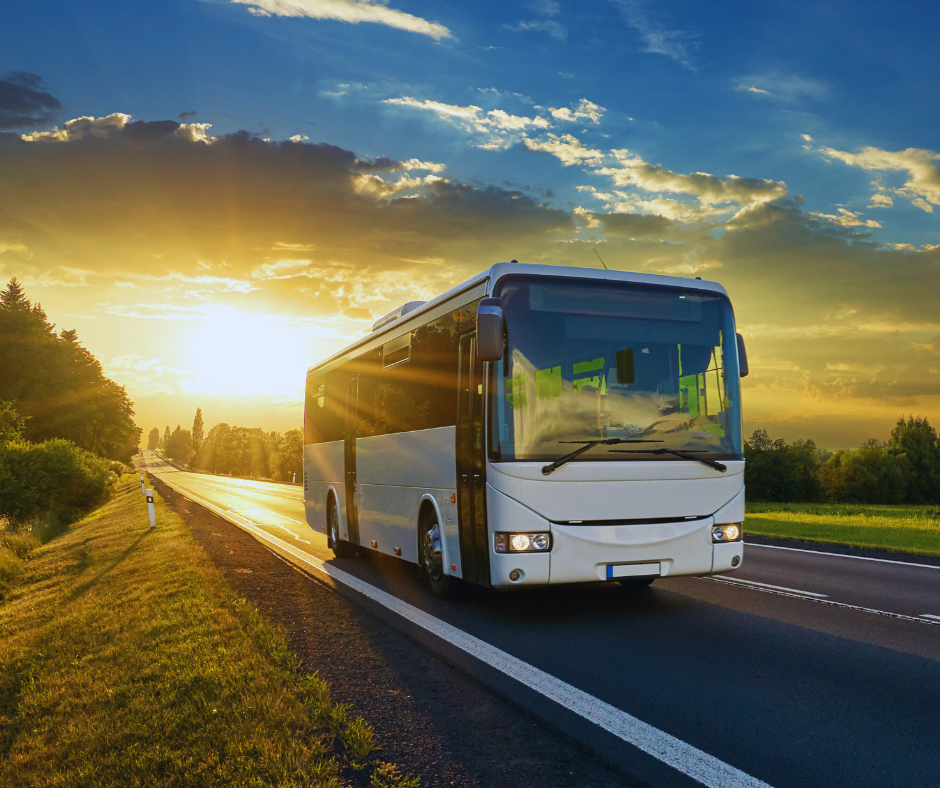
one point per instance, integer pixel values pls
(684, 454)
(547, 469)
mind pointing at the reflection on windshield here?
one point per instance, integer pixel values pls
(588, 361)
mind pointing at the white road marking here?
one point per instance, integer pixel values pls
(689, 760)
(241, 513)
(842, 555)
(930, 616)
(770, 590)
(776, 588)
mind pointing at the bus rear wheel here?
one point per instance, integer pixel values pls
(340, 548)
(432, 558)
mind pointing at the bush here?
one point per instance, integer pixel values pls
(49, 483)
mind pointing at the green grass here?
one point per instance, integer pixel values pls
(909, 529)
(125, 659)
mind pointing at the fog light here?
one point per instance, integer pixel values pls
(515, 575)
(736, 560)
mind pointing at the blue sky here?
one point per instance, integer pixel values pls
(818, 120)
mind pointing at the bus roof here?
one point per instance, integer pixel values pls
(491, 277)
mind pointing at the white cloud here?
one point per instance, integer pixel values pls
(709, 189)
(500, 128)
(85, 126)
(753, 89)
(674, 44)
(554, 29)
(566, 148)
(881, 201)
(352, 11)
(298, 138)
(586, 110)
(417, 164)
(787, 87)
(379, 187)
(922, 187)
(846, 218)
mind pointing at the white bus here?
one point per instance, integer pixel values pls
(536, 425)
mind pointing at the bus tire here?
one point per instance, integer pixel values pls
(442, 585)
(340, 548)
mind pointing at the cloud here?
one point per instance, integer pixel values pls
(26, 101)
(499, 128)
(585, 110)
(846, 218)
(711, 190)
(80, 128)
(184, 116)
(673, 44)
(922, 187)
(554, 29)
(786, 87)
(351, 11)
(566, 148)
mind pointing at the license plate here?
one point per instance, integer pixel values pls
(632, 570)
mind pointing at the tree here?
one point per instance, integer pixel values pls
(153, 439)
(179, 447)
(776, 471)
(11, 423)
(57, 385)
(917, 440)
(197, 430)
(166, 437)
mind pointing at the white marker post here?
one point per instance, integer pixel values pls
(295, 478)
(150, 510)
(143, 490)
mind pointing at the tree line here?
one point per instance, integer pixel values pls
(903, 469)
(239, 451)
(66, 430)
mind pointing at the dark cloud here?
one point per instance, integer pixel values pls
(185, 116)
(634, 225)
(26, 101)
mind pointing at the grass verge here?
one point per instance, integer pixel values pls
(125, 659)
(908, 529)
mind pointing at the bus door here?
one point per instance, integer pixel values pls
(350, 434)
(471, 466)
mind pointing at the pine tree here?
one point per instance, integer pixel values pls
(166, 437)
(197, 430)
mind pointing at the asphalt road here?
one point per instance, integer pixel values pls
(828, 673)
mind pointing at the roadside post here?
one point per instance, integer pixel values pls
(143, 490)
(294, 480)
(150, 510)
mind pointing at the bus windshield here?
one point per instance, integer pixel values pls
(590, 360)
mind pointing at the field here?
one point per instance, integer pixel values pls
(125, 659)
(910, 529)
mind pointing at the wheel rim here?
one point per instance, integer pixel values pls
(433, 561)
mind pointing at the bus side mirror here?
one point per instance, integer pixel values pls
(490, 329)
(742, 356)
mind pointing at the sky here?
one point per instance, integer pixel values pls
(217, 194)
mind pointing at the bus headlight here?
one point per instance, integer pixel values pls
(522, 543)
(728, 533)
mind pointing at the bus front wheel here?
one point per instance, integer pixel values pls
(340, 548)
(432, 558)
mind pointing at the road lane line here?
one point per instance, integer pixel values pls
(776, 588)
(728, 581)
(689, 760)
(841, 555)
(930, 616)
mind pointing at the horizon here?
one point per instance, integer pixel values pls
(257, 181)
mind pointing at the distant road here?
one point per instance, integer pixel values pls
(802, 669)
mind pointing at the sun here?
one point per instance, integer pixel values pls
(242, 353)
